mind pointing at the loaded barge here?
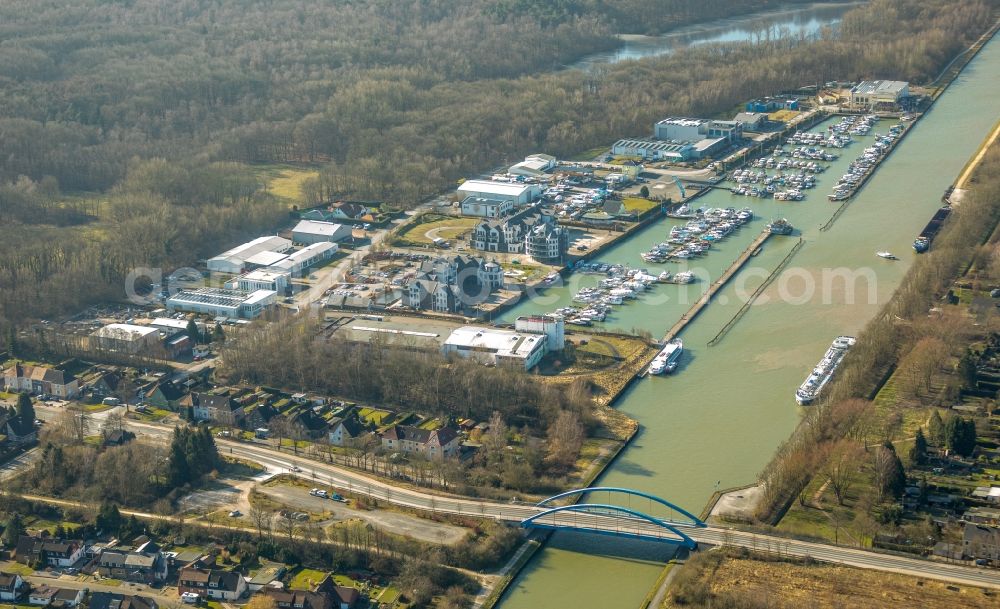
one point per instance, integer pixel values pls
(923, 242)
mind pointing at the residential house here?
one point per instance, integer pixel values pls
(325, 595)
(452, 284)
(211, 583)
(341, 597)
(513, 234)
(979, 541)
(52, 551)
(18, 431)
(437, 444)
(45, 596)
(39, 380)
(348, 432)
(42, 596)
(982, 515)
(163, 394)
(68, 597)
(212, 406)
(117, 437)
(13, 588)
(145, 563)
(113, 600)
(341, 211)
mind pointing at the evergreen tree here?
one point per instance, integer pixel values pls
(12, 530)
(12, 341)
(25, 408)
(967, 370)
(936, 429)
(109, 519)
(918, 453)
(218, 335)
(178, 472)
(960, 435)
(192, 331)
(893, 479)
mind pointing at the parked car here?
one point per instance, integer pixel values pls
(337, 497)
(295, 468)
(190, 598)
(235, 514)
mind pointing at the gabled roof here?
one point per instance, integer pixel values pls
(352, 427)
(113, 600)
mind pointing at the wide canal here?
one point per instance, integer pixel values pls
(719, 418)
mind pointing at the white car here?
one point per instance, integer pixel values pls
(190, 598)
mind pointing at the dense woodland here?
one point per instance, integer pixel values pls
(159, 106)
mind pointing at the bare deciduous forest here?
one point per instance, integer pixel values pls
(126, 128)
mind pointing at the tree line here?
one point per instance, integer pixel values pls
(902, 337)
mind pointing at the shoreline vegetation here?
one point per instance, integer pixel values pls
(892, 336)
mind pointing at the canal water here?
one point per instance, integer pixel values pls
(796, 21)
(718, 419)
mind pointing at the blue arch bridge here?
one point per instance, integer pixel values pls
(633, 519)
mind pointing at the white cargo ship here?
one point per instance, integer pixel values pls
(821, 374)
(666, 360)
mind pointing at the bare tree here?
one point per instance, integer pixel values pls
(841, 467)
(565, 438)
(262, 520)
(495, 440)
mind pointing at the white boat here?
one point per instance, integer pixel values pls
(823, 372)
(683, 277)
(666, 360)
(886, 255)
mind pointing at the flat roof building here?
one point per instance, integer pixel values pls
(124, 338)
(298, 262)
(313, 231)
(653, 150)
(515, 192)
(275, 280)
(486, 208)
(502, 348)
(265, 259)
(879, 94)
(232, 304)
(234, 260)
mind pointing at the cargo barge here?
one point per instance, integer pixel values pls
(923, 242)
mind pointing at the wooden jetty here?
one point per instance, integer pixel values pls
(715, 287)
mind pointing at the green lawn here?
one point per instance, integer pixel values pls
(18, 569)
(375, 415)
(285, 181)
(306, 579)
(445, 227)
(638, 204)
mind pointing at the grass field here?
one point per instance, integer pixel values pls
(285, 181)
(638, 204)
(719, 577)
(444, 227)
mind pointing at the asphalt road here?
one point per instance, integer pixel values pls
(354, 482)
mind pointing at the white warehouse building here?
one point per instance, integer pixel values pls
(486, 208)
(298, 262)
(515, 192)
(261, 279)
(308, 232)
(234, 260)
(502, 348)
(216, 302)
(125, 338)
(879, 94)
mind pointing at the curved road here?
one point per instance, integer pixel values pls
(358, 483)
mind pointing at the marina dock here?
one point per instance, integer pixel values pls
(717, 285)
